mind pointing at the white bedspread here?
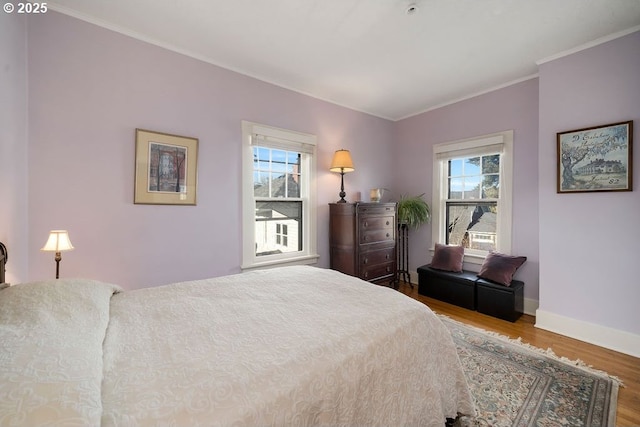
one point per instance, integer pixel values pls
(292, 346)
(51, 336)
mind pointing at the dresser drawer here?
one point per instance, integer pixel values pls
(380, 256)
(378, 271)
(377, 229)
(376, 209)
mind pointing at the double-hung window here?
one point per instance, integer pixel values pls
(472, 192)
(279, 208)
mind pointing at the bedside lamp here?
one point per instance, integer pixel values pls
(58, 242)
(342, 163)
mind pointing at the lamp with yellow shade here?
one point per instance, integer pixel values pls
(58, 242)
(342, 163)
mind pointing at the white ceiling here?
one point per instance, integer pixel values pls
(369, 55)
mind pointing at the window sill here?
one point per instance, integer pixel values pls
(302, 260)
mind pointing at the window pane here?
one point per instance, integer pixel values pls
(260, 179)
(455, 188)
(491, 186)
(491, 164)
(472, 225)
(293, 158)
(472, 166)
(260, 154)
(274, 219)
(278, 185)
(293, 185)
(455, 167)
(471, 187)
(278, 156)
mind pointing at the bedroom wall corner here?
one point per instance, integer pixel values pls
(13, 144)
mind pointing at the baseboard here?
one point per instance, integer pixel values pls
(530, 305)
(603, 336)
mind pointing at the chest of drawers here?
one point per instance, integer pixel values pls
(362, 240)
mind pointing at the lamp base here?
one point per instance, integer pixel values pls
(342, 193)
(58, 259)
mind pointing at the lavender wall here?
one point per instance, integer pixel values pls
(13, 143)
(514, 107)
(90, 88)
(589, 241)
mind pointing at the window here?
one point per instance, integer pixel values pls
(279, 219)
(282, 235)
(472, 194)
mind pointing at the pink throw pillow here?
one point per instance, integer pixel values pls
(500, 268)
(448, 258)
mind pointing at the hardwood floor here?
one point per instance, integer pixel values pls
(625, 367)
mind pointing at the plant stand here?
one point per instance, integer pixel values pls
(403, 254)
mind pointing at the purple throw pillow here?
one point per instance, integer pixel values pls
(448, 258)
(500, 268)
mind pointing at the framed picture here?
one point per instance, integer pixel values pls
(166, 169)
(596, 159)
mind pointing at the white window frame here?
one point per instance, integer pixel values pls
(501, 142)
(281, 139)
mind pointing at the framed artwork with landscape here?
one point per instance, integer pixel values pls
(166, 169)
(596, 159)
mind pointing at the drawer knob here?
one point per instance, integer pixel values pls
(387, 234)
(366, 224)
(387, 256)
(387, 222)
(366, 260)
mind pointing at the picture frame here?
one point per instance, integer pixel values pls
(166, 169)
(596, 159)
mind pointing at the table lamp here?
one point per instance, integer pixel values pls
(58, 242)
(342, 163)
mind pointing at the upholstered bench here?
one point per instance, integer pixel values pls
(452, 287)
(497, 300)
(466, 289)
(491, 291)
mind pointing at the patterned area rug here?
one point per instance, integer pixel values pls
(515, 384)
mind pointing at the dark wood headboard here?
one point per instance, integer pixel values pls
(1, 268)
(3, 260)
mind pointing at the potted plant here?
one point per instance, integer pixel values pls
(413, 211)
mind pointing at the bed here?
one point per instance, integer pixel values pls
(290, 346)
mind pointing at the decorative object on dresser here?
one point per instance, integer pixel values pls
(362, 240)
(342, 163)
(375, 194)
(58, 241)
(413, 211)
